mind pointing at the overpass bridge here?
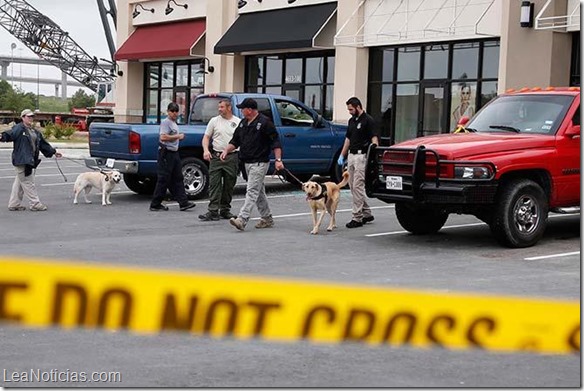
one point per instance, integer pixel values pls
(62, 83)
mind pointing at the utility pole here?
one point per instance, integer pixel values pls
(12, 47)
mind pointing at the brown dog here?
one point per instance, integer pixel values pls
(324, 197)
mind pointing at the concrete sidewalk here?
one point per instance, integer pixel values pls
(56, 144)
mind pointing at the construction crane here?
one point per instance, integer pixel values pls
(45, 38)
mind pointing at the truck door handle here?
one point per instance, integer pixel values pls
(289, 134)
(108, 131)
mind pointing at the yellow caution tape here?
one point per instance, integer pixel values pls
(41, 294)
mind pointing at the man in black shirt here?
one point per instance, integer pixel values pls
(256, 136)
(362, 132)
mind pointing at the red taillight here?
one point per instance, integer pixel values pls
(134, 142)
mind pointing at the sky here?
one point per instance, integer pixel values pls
(80, 18)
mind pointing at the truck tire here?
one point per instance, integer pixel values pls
(140, 184)
(196, 177)
(520, 214)
(419, 221)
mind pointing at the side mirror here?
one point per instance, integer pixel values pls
(573, 131)
(319, 122)
(463, 121)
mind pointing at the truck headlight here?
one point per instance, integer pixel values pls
(472, 172)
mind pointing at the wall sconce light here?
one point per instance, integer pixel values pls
(526, 19)
(115, 69)
(169, 9)
(210, 68)
(136, 12)
(242, 3)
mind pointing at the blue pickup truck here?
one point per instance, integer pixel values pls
(311, 144)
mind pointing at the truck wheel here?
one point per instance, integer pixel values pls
(520, 214)
(196, 177)
(140, 184)
(419, 221)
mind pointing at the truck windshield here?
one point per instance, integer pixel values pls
(539, 114)
(204, 109)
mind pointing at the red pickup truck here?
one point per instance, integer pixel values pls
(517, 159)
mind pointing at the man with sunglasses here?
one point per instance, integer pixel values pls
(28, 143)
(169, 164)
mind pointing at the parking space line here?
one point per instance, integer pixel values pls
(405, 232)
(455, 226)
(551, 256)
(41, 175)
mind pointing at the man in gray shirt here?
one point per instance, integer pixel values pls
(169, 165)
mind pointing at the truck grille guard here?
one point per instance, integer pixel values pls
(417, 173)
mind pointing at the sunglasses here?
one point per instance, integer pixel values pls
(29, 116)
(173, 111)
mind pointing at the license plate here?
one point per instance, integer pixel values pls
(109, 163)
(393, 183)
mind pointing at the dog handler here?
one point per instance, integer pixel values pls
(361, 132)
(256, 136)
(28, 142)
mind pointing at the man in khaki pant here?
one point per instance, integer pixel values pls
(28, 143)
(361, 132)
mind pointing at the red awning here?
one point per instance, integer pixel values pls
(162, 40)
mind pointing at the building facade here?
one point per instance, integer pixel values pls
(417, 65)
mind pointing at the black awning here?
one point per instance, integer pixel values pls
(285, 28)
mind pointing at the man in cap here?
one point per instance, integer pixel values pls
(256, 136)
(169, 164)
(28, 143)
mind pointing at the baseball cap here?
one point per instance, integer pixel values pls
(248, 103)
(26, 113)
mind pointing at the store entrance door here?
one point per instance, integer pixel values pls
(432, 115)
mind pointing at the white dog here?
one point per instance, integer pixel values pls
(101, 180)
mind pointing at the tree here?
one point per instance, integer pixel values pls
(81, 100)
(14, 99)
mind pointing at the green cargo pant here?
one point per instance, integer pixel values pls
(222, 178)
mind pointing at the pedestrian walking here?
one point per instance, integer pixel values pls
(256, 136)
(28, 142)
(222, 173)
(169, 165)
(361, 132)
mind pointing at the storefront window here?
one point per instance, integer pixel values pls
(450, 86)
(463, 98)
(293, 71)
(182, 75)
(488, 92)
(465, 60)
(436, 61)
(167, 82)
(330, 71)
(307, 77)
(167, 74)
(153, 75)
(408, 63)
(406, 112)
(314, 70)
(491, 60)
(273, 70)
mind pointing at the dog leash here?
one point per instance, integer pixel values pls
(59, 167)
(288, 173)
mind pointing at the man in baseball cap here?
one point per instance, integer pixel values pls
(248, 103)
(28, 143)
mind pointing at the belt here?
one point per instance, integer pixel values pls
(218, 153)
(357, 151)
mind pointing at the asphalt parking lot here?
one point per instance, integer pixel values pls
(463, 257)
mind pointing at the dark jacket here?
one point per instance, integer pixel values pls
(256, 139)
(23, 153)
